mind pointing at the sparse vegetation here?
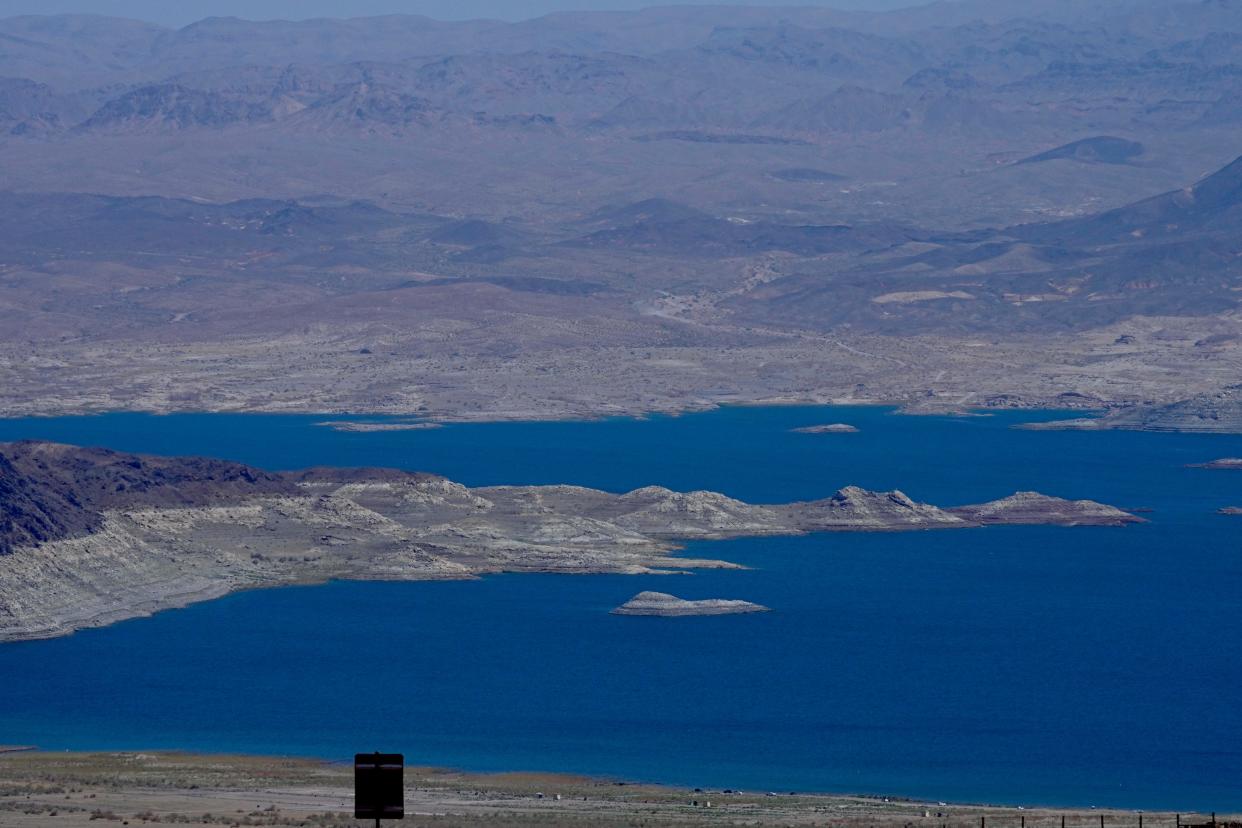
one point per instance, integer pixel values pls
(192, 790)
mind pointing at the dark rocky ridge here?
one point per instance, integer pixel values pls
(50, 492)
(34, 511)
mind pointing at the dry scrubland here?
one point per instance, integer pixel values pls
(46, 790)
(975, 204)
(1142, 360)
(579, 216)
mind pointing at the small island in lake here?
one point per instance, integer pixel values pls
(1223, 463)
(832, 428)
(367, 427)
(670, 606)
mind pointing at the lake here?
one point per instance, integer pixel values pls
(1029, 665)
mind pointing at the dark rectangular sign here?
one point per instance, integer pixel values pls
(379, 792)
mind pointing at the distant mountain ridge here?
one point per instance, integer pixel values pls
(1173, 254)
(1212, 204)
(964, 61)
(428, 206)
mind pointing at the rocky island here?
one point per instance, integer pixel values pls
(1223, 463)
(364, 427)
(89, 537)
(670, 606)
(832, 428)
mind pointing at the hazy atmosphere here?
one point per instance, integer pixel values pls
(182, 12)
(689, 415)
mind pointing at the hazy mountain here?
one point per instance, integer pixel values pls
(175, 107)
(1213, 205)
(696, 177)
(1174, 254)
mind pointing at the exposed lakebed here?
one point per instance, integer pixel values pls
(1028, 664)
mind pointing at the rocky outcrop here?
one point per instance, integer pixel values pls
(91, 537)
(670, 606)
(832, 428)
(50, 491)
(858, 510)
(360, 427)
(1222, 463)
(661, 512)
(1032, 508)
(34, 511)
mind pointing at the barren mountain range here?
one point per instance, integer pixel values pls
(964, 204)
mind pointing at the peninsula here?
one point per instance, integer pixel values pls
(92, 536)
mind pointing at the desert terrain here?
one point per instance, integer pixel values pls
(964, 205)
(974, 204)
(68, 790)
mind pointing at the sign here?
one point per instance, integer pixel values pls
(379, 790)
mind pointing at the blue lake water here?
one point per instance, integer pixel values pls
(1026, 665)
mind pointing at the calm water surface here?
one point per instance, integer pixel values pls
(1030, 665)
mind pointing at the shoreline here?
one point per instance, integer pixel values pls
(424, 420)
(131, 784)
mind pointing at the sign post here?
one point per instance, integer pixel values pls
(379, 787)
